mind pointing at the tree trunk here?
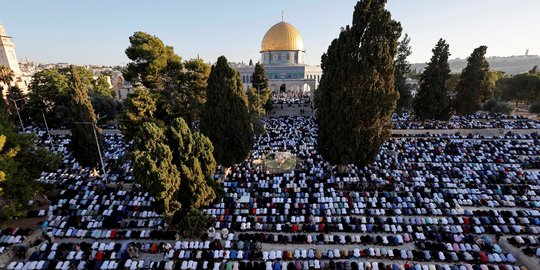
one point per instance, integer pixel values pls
(342, 168)
(94, 172)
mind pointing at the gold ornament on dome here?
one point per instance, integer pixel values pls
(282, 37)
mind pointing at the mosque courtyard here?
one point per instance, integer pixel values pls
(429, 201)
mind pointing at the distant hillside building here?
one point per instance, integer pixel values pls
(121, 87)
(283, 56)
(511, 65)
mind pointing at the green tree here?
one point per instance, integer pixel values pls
(82, 122)
(187, 96)
(452, 83)
(225, 119)
(259, 77)
(535, 108)
(106, 107)
(85, 75)
(154, 170)
(102, 87)
(154, 64)
(402, 67)
(15, 93)
(50, 92)
(433, 100)
(191, 154)
(6, 157)
(17, 178)
(493, 78)
(176, 165)
(356, 95)
(259, 101)
(520, 88)
(473, 87)
(139, 107)
(6, 77)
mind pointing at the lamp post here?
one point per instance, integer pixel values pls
(45, 121)
(97, 142)
(17, 108)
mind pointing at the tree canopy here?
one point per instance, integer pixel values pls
(259, 95)
(153, 168)
(225, 119)
(356, 95)
(152, 59)
(139, 107)
(176, 165)
(433, 100)
(401, 68)
(6, 77)
(259, 77)
(474, 83)
(50, 92)
(186, 97)
(102, 87)
(82, 120)
(177, 88)
(21, 163)
(523, 87)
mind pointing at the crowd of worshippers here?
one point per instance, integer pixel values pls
(473, 121)
(434, 202)
(10, 237)
(530, 245)
(291, 98)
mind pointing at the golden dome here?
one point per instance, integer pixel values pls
(282, 37)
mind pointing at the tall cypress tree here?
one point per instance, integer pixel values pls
(402, 68)
(474, 83)
(433, 100)
(259, 77)
(260, 83)
(154, 170)
(356, 95)
(225, 119)
(82, 122)
(196, 169)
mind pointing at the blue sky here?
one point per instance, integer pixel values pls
(96, 32)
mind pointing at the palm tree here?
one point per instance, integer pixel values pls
(6, 75)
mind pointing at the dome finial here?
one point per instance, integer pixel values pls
(282, 13)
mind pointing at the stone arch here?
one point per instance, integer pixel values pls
(306, 88)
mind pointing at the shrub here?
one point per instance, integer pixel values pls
(535, 108)
(194, 223)
(502, 107)
(489, 104)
